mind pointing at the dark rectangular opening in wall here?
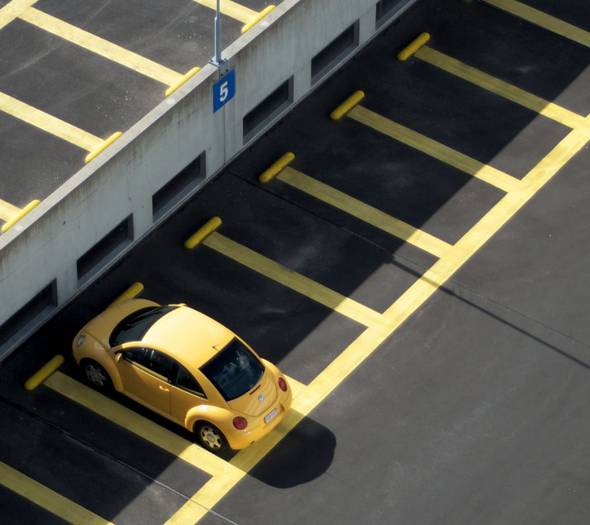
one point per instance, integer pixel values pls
(334, 52)
(270, 107)
(387, 8)
(37, 309)
(174, 190)
(112, 243)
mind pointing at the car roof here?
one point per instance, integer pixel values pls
(190, 337)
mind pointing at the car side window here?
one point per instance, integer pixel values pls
(153, 360)
(137, 355)
(163, 365)
(186, 381)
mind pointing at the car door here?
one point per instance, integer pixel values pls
(146, 376)
(186, 392)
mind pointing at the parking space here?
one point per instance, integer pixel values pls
(540, 61)
(82, 73)
(53, 164)
(437, 217)
(569, 18)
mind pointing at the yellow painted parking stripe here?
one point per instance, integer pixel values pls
(435, 149)
(543, 20)
(501, 88)
(101, 47)
(7, 210)
(18, 216)
(139, 425)
(13, 9)
(231, 9)
(48, 123)
(46, 498)
(297, 388)
(360, 349)
(364, 212)
(301, 284)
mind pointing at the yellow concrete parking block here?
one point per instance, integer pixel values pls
(41, 375)
(541, 19)
(101, 47)
(13, 9)
(435, 149)
(499, 87)
(48, 123)
(11, 214)
(139, 425)
(46, 498)
(297, 282)
(239, 12)
(364, 212)
(130, 293)
(232, 9)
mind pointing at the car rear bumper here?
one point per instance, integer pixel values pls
(239, 440)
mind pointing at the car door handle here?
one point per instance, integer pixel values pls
(163, 388)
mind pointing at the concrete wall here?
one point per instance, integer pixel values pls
(45, 245)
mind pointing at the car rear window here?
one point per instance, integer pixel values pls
(135, 325)
(234, 370)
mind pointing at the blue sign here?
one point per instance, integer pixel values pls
(224, 90)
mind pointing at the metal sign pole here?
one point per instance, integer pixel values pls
(217, 60)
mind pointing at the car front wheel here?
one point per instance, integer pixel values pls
(210, 437)
(96, 375)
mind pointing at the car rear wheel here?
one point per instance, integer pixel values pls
(210, 437)
(96, 375)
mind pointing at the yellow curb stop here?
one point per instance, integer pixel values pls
(202, 233)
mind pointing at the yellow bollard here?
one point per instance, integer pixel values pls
(44, 372)
(202, 233)
(410, 49)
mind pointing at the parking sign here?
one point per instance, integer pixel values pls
(224, 90)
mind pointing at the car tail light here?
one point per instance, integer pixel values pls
(282, 384)
(240, 422)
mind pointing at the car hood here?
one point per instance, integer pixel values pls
(260, 399)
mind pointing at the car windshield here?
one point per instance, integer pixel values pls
(135, 325)
(234, 370)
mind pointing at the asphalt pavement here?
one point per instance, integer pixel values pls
(418, 271)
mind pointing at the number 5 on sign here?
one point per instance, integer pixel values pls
(224, 90)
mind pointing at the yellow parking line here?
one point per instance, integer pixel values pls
(231, 9)
(18, 216)
(501, 88)
(7, 210)
(370, 340)
(435, 149)
(101, 47)
(297, 387)
(48, 123)
(46, 498)
(364, 212)
(543, 20)
(301, 284)
(139, 425)
(13, 9)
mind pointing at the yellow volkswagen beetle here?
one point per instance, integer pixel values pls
(186, 367)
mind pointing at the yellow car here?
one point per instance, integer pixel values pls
(186, 367)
